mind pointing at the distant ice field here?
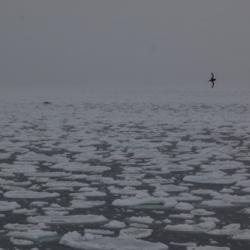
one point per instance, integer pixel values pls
(132, 174)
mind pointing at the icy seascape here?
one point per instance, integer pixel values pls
(125, 175)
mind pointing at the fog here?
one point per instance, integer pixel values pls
(61, 46)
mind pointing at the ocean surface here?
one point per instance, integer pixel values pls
(154, 171)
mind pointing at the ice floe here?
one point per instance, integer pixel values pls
(208, 248)
(136, 233)
(146, 202)
(34, 235)
(141, 219)
(77, 241)
(229, 230)
(28, 194)
(68, 219)
(195, 228)
(243, 235)
(8, 206)
(114, 224)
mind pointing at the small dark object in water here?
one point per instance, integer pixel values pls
(46, 103)
(212, 79)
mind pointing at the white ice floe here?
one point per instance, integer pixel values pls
(210, 219)
(114, 224)
(4, 156)
(205, 192)
(39, 203)
(28, 194)
(141, 219)
(99, 232)
(14, 184)
(243, 235)
(160, 193)
(125, 191)
(211, 178)
(183, 206)
(63, 184)
(40, 175)
(174, 188)
(163, 203)
(202, 212)
(77, 241)
(208, 248)
(18, 168)
(228, 230)
(244, 183)
(185, 244)
(135, 233)
(139, 225)
(180, 168)
(187, 197)
(181, 216)
(227, 191)
(245, 190)
(125, 183)
(35, 157)
(34, 235)
(24, 227)
(195, 228)
(91, 193)
(21, 242)
(245, 211)
(76, 204)
(25, 211)
(8, 206)
(53, 212)
(80, 167)
(69, 219)
(217, 204)
(223, 165)
(236, 199)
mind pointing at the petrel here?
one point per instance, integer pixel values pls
(212, 79)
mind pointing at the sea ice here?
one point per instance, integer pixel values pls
(183, 206)
(228, 230)
(134, 232)
(212, 178)
(75, 204)
(114, 224)
(202, 212)
(77, 241)
(21, 242)
(99, 232)
(196, 228)
(208, 248)
(28, 194)
(244, 235)
(141, 219)
(8, 206)
(217, 204)
(69, 219)
(80, 167)
(34, 235)
(181, 216)
(145, 202)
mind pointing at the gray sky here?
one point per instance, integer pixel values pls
(57, 44)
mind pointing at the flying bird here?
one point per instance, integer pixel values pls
(212, 79)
